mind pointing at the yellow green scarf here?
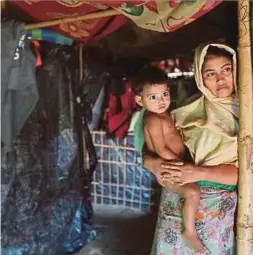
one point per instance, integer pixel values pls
(209, 125)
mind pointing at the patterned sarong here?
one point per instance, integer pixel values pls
(214, 223)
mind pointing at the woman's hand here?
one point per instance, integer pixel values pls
(155, 165)
(181, 173)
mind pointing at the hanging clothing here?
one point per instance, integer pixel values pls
(97, 110)
(19, 92)
(119, 112)
(138, 131)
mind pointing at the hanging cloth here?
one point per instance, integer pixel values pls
(138, 132)
(119, 120)
(19, 92)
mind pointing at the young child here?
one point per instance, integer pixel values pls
(161, 137)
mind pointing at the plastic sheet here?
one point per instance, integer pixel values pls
(46, 207)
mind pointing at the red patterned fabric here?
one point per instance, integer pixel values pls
(149, 14)
(119, 120)
(81, 31)
(162, 16)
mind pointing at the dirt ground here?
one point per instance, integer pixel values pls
(121, 231)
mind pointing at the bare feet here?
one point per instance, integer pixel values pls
(193, 240)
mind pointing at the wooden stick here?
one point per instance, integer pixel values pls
(81, 76)
(88, 16)
(80, 62)
(117, 162)
(94, 132)
(114, 147)
(245, 196)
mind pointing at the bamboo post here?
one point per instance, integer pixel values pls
(245, 197)
(2, 4)
(94, 15)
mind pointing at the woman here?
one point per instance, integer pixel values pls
(209, 127)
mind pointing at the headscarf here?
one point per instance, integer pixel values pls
(209, 125)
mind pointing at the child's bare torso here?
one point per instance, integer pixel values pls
(171, 136)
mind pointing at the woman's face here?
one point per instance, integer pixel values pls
(217, 73)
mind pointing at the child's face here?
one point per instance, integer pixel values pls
(155, 98)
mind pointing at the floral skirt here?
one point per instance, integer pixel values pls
(214, 223)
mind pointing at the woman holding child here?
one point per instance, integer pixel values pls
(208, 127)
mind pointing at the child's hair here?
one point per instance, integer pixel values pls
(148, 76)
(216, 51)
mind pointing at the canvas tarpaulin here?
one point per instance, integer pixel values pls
(158, 15)
(81, 31)
(164, 16)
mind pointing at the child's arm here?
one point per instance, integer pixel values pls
(155, 132)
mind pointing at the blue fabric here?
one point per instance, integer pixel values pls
(49, 35)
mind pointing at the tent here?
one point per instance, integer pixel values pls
(135, 41)
(130, 40)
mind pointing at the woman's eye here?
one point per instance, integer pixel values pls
(227, 70)
(211, 74)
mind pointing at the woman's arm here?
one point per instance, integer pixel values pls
(188, 173)
(224, 173)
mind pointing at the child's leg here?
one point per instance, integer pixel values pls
(191, 194)
(190, 207)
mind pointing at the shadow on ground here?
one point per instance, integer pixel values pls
(121, 232)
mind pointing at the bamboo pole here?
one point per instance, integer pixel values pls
(2, 4)
(94, 15)
(245, 198)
